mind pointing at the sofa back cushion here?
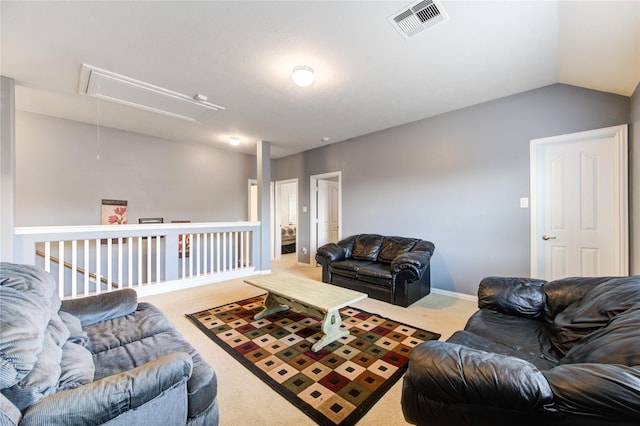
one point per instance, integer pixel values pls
(367, 247)
(392, 247)
(559, 294)
(617, 343)
(595, 310)
(522, 297)
(23, 322)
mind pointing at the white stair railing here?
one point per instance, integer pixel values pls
(150, 258)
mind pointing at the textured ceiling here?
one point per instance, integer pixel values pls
(240, 54)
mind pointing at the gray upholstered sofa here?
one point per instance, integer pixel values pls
(392, 269)
(104, 359)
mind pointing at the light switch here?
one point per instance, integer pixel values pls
(524, 203)
(304, 209)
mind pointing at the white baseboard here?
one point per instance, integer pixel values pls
(454, 294)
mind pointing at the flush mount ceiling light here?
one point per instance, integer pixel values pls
(234, 141)
(302, 75)
(124, 90)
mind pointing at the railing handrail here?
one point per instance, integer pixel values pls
(81, 271)
(154, 228)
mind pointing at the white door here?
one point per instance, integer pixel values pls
(579, 224)
(327, 212)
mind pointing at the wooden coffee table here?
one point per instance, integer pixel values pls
(309, 296)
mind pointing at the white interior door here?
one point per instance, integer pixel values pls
(579, 223)
(327, 212)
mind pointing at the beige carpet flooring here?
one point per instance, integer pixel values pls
(246, 400)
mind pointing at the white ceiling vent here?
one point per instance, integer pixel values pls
(418, 17)
(124, 90)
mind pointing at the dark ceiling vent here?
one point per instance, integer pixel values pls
(418, 17)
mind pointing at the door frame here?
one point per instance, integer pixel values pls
(277, 237)
(313, 210)
(620, 136)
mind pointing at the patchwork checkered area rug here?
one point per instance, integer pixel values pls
(335, 386)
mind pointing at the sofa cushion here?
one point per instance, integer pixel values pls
(23, 328)
(376, 273)
(145, 321)
(392, 247)
(76, 366)
(136, 353)
(521, 297)
(76, 333)
(367, 247)
(33, 280)
(525, 338)
(348, 268)
(559, 294)
(43, 378)
(595, 310)
(617, 343)
(123, 343)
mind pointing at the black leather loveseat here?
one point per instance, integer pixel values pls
(391, 269)
(564, 352)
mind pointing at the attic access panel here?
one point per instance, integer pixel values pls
(117, 88)
(418, 17)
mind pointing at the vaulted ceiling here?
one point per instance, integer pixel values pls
(368, 77)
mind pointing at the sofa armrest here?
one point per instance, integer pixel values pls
(452, 373)
(330, 253)
(105, 399)
(102, 307)
(523, 297)
(413, 262)
(609, 391)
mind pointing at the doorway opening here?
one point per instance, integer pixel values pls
(285, 218)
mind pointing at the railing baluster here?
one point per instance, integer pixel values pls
(212, 268)
(205, 258)
(149, 259)
(217, 251)
(198, 254)
(47, 256)
(234, 265)
(130, 263)
(61, 269)
(158, 259)
(139, 262)
(120, 263)
(189, 238)
(74, 268)
(109, 264)
(86, 266)
(98, 266)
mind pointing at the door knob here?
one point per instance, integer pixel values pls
(547, 237)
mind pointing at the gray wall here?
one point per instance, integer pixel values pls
(59, 180)
(634, 183)
(455, 179)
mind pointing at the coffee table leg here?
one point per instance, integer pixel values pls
(331, 329)
(271, 306)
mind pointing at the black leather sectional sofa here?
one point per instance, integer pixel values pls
(564, 352)
(389, 268)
